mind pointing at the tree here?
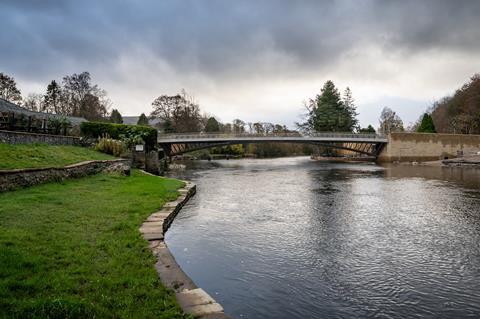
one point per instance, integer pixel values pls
(350, 108)
(390, 122)
(258, 128)
(367, 130)
(116, 117)
(181, 112)
(34, 102)
(328, 113)
(9, 90)
(426, 125)
(212, 125)
(238, 126)
(280, 128)
(226, 128)
(143, 120)
(91, 108)
(459, 113)
(52, 99)
(81, 98)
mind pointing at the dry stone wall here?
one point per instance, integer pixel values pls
(18, 178)
(10, 137)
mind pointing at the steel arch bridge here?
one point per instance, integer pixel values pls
(366, 144)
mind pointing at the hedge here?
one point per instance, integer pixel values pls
(115, 131)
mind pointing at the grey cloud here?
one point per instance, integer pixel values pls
(225, 37)
(225, 41)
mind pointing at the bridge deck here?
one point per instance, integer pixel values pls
(244, 138)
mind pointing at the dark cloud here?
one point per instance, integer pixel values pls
(223, 37)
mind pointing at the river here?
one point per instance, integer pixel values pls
(296, 238)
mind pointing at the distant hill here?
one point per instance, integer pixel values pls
(132, 120)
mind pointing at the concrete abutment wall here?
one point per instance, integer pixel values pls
(404, 147)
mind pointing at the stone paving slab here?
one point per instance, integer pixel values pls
(171, 205)
(155, 219)
(153, 236)
(202, 310)
(215, 315)
(170, 273)
(150, 228)
(153, 224)
(192, 299)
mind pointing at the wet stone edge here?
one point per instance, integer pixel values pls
(192, 299)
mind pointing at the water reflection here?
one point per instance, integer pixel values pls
(292, 238)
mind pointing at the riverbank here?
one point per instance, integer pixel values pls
(16, 156)
(73, 249)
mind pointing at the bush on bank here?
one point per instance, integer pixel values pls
(120, 132)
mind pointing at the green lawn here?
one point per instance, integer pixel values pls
(42, 155)
(73, 249)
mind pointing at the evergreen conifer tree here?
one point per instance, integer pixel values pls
(142, 120)
(426, 126)
(116, 117)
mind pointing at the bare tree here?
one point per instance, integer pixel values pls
(238, 126)
(81, 98)
(180, 111)
(390, 121)
(34, 102)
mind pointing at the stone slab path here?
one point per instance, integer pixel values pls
(192, 300)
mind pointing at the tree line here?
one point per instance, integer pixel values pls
(75, 95)
(328, 111)
(182, 114)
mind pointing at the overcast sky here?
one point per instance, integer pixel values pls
(254, 60)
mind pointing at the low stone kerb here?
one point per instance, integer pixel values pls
(192, 300)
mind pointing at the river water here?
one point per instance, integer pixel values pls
(295, 238)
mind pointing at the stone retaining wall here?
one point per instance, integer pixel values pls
(17, 178)
(10, 137)
(403, 147)
(192, 300)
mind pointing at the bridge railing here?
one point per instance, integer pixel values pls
(184, 136)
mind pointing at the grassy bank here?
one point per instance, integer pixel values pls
(73, 250)
(42, 155)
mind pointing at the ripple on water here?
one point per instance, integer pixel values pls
(291, 238)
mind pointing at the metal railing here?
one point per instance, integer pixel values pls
(184, 136)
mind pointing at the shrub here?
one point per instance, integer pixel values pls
(59, 125)
(129, 133)
(111, 146)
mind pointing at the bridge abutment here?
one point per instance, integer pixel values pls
(409, 147)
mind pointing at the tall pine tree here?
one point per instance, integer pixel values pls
(52, 99)
(329, 113)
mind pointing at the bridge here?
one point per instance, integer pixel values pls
(366, 144)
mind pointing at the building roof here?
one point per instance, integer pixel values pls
(6, 106)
